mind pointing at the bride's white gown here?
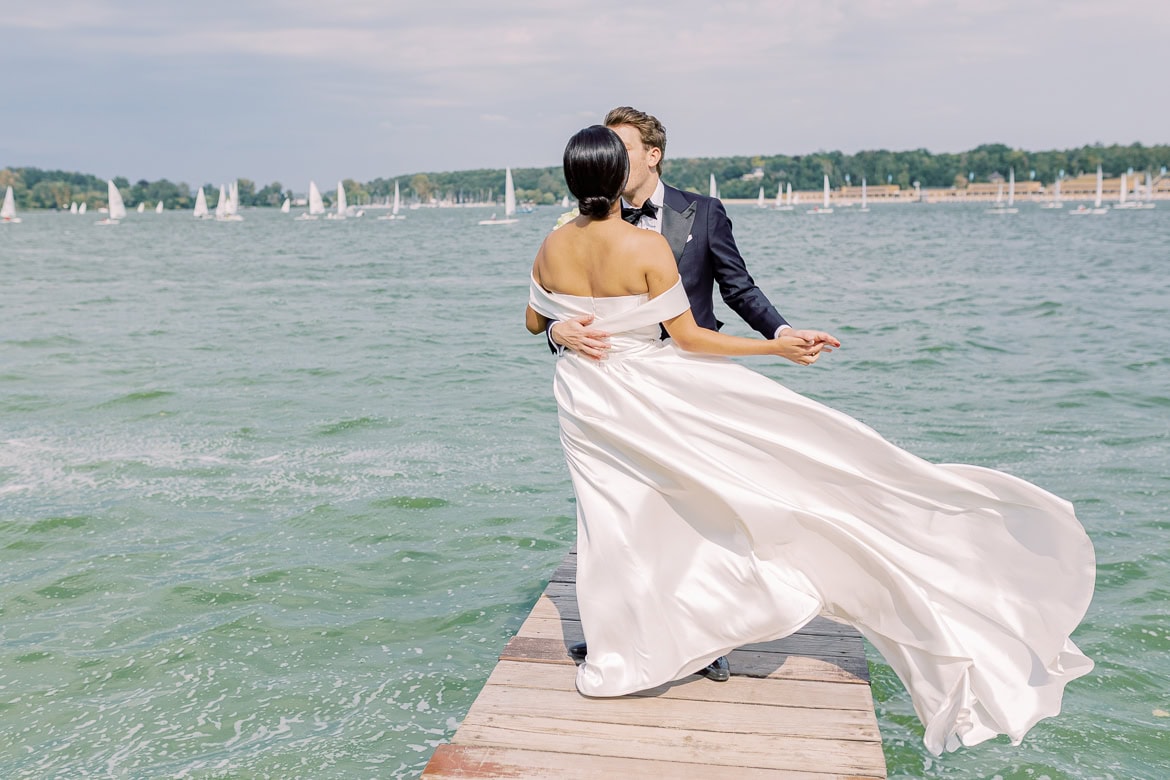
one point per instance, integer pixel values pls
(717, 508)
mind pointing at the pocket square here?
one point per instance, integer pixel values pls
(689, 237)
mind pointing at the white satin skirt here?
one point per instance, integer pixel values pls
(717, 508)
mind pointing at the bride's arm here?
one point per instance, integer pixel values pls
(534, 320)
(662, 274)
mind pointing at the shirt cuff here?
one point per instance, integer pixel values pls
(775, 336)
(555, 347)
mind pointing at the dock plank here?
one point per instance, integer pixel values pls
(798, 708)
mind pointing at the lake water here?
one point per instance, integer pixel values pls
(274, 494)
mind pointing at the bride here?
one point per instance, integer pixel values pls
(717, 508)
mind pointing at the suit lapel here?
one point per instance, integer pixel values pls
(677, 217)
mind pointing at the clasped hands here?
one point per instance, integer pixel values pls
(802, 347)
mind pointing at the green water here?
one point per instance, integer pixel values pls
(274, 494)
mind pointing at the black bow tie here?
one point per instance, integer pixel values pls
(633, 215)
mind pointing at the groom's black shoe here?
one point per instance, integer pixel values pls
(718, 671)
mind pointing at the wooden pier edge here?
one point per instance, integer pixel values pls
(799, 708)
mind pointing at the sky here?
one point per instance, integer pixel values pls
(292, 90)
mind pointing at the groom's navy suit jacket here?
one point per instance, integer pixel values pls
(699, 234)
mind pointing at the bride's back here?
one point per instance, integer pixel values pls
(597, 258)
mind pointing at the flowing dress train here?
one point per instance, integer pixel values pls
(717, 508)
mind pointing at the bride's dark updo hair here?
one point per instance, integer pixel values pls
(596, 169)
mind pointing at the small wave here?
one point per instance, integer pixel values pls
(48, 341)
(137, 397)
(410, 502)
(354, 424)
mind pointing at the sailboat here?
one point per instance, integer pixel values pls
(999, 207)
(232, 206)
(1148, 203)
(201, 205)
(824, 207)
(141, 207)
(341, 204)
(1056, 202)
(713, 190)
(158, 207)
(286, 206)
(221, 205)
(787, 205)
(1122, 203)
(316, 205)
(81, 209)
(8, 210)
(564, 201)
(397, 205)
(73, 208)
(117, 207)
(760, 199)
(1097, 207)
(864, 207)
(509, 203)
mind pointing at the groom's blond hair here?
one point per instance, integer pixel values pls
(649, 128)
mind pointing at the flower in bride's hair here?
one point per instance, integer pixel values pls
(567, 217)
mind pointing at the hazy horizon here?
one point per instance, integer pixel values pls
(296, 91)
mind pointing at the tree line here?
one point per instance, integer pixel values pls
(33, 188)
(737, 177)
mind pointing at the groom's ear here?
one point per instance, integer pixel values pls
(653, 156)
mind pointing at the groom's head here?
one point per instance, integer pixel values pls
(645, 140)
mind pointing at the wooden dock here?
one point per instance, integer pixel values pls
(796, 708)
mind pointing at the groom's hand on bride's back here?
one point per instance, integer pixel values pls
(803, 347)
(575, 334)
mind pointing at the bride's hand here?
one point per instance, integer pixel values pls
(819, 337)
(800, 347)
(575, 334)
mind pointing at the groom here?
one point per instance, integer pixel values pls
(699, 233)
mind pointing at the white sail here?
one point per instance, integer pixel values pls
(286, 206)
(779, 195)
(158, 208)
(788, 193)
(999, 195)
(200, 205)
(1011, 186)
(397, 199)
(233, 204)
(864, 207)
(509, 203)
(826, 198)
(8, 210)
(117, 207)
(341, 204)
(1121, 192)
(564, 201)
(1100, 181)
(713, 190)
(221, 205)
(1149, 186)
(760, 199)
(141, 207)
(316, 205)
(81, 209)
(73, 208)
